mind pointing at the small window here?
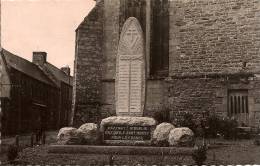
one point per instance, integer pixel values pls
(238, 105)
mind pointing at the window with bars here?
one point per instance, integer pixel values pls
(238, 105)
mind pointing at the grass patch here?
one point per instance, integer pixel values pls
(232, 152)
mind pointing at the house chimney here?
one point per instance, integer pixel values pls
(39, 58)
(66, 70)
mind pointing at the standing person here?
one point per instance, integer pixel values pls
(38, 128)
(43, 126)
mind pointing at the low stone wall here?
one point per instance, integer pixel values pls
(119, 150)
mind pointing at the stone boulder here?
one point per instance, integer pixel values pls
(70, 136)
(161, 133)
(90, 133)
(182, 136)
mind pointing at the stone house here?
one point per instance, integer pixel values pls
(202, 56)
(33, 94)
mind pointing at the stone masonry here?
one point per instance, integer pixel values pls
(214, 49)
(88, 66)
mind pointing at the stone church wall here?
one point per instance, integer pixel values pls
(212, 45)
(156, 96)
(111, 37)
(207, 96)
(89, 55)
(214, 36)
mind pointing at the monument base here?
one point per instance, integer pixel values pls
(119, 150)
(125, 130)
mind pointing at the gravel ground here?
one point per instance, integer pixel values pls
(223, 152)
(235, 152)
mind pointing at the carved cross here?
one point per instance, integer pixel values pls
(132, 37)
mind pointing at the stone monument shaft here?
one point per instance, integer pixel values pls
(130, 75)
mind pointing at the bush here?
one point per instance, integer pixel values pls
(257, 142)
(200, 155)
(212, 127)
(213, 124)
(162, 115)
(12, 153)
(226, 127)
(187, 120)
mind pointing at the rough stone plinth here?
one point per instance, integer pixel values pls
(182, 136)
(161, 133)
(128, 122)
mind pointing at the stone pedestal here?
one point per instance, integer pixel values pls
(129, 127)
(120, 130)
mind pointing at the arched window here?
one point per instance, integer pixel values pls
(160, 38)
(133, 8)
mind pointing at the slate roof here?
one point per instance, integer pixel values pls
(25, 67)
(59, 74)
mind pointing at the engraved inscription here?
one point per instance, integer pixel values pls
(130, 77)
(133, 133)
(123, 90)
(136, 86)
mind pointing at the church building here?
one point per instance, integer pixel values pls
(200, 56)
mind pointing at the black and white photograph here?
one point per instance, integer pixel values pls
(129, 82)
